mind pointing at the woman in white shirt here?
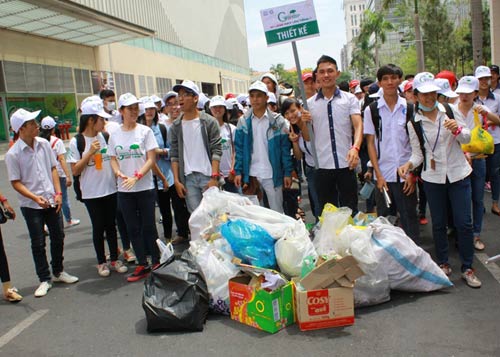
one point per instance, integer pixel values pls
(133, 154)
(91, 162)
(446, 173)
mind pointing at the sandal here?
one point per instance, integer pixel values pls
(478, 244)
(12, 295)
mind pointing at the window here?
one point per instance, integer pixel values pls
(163, 85)
(82, 81)
(124, 83)
(149, 83)
(142, 86)
(355, 20)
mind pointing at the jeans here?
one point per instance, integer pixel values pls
(310, 173)
(102, 212)
(290, 202)
(35, 219)
(493, 165)
(403, 204)
(274, 194)
(339, 187)
(4, 265)
(195, 185)
(478, 178)
(422, 199)
(459, 194)
(122, 228)
(138, 209)
(66, 209)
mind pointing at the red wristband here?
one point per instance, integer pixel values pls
(355, 148)
(58, 194)
(138, 175)
(232, 172)
(457, 131)
(3, 199)
(215, 176)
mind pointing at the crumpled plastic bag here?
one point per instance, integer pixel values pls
(292, 249)
(250, 242)
(175, 296)
(332, 224)
(214, 259)
(166, 250)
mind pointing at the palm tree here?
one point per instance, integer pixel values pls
(375, 24)
(476, 9)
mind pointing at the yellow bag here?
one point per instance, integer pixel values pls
(481, 141)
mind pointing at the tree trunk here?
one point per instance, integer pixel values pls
(476, 9)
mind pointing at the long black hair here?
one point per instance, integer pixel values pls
(45, 133)
(84, 121)
(142, 118)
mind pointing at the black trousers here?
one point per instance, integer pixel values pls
(4, 265)
(337, 186)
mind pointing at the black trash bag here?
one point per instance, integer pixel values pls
(176, 296)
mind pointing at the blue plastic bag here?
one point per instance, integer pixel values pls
(250, 242)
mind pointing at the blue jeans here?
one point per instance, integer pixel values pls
(65, 200)
(459, 194)
(493, 164)
(478, 178)
(35, 219)
(195, 185)
(310, 173)
(138, 209)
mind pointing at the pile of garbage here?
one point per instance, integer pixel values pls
(257, 266)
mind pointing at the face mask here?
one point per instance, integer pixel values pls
(111, 106)
(427, 109)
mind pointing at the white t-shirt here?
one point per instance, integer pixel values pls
(227, 147)
(195, 154)
(112, 127)
(130, 149)
(58, 148)
(93, 183)
(260, 166)
(162, 118)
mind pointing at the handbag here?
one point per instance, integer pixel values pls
(481, 142)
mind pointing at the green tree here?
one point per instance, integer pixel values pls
(362, 56)
(377, 26)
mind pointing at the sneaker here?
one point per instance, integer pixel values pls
(129, 256)
(119, 267)
(446, 268)
(160, 220)
(65, 278)
(43, 289)
(423, 221)
(45, 230)
(72, 222)
(487, 186)
(139, 273)
(478, 244)
(179, 240)
(471, 278)
(103, 270)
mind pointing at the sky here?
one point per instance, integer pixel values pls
(332, 36)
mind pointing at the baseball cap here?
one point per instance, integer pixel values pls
(449, 75)
(258, 85)
(424, 83)
(272, 98)
(408, 86)
(48, 123)
(230, 95)
(242, 98)
(445, 90)
(467, 84)
(147, 102)
(482, 71)
(91, 98)
(306, 76)
(169, 95)
(354, 83)
(494, 68)
(358, 90)
(92, 106)
(230, 103)
(20, 117)
(217, 100)
(127, 99)
(202, 99)
(270, 76)
(366, 82)
(188, 85)
(155, 98)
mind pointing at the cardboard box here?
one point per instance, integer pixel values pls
(328, 301)
(268, 311)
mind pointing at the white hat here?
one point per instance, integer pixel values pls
(155, 98)
(242, 98)
(270, 76)
(127, 99)
(445, 90)
(92, 106)
(202, 100)
(424, 83)
(48, 123)
(482, 71)
(258, 85)
(240, 107)
(377, 94)
(217, 100)
(189, 86)
(271, 98)
(147, 102)
(20, 117)
(467, 84)
(230, 103)
(357, 90)
(401, 86)
(91, 98)
(169, 95)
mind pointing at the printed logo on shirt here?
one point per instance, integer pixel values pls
(133, 151)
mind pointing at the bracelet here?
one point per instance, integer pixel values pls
(138, 175)
(232, 172)
(58, 194)
(215, 176)
(3, 199)
(355, 148)
(457, 131)
(413, 177)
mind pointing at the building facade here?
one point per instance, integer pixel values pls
(54, 53)
(353, 16)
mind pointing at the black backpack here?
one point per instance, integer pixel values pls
(410, 117)
(80, 146)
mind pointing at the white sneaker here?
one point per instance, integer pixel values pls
(119, 267)
(43, 289)
(103, 270)
(129, 256)
(72, 222)
(65, 278)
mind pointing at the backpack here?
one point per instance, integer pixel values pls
(410, 117)
(80, 146)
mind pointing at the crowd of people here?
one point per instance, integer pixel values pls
(403, 134)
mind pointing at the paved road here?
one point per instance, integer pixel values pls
(103, 316)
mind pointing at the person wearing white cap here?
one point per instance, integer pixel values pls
(195, 148)
(467, 90)
(47, 131)
(271, 83)
(133, 154)
(271, 102)
(218, 110)
(109, 102)
(445, 93)
(32, 171)
(491, 100)
(171, 108)
(338, 129)
(435, 141)
(263, 150)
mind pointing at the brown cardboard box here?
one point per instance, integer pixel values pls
(341, 272)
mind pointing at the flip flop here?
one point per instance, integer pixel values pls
(12, 295)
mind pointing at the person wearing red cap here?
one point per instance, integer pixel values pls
(352, 85)
(229, 96)
(309, 86)
(450, 76)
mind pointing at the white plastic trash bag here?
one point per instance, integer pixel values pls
(291, 250)
(166, 250)
(408, 266)
(332, 225)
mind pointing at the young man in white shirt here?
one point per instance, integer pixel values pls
(33, 174)
(338, 130)
(389, 148)
(195, 165)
